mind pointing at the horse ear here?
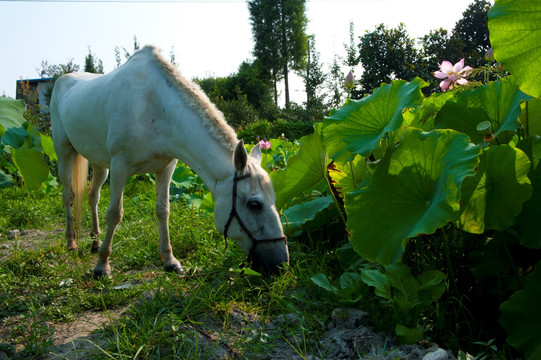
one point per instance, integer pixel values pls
(256, 153)
(240, 156)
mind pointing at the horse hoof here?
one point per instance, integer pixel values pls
(176, 268)
(72, 248)
(98, 274)
(94, 249)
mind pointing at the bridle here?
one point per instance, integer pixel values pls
(234, 214)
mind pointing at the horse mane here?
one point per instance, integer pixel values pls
(213, 118)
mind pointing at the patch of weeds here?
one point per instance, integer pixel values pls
(34, 333)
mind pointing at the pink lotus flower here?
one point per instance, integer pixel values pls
(264, 144)
(453, 74)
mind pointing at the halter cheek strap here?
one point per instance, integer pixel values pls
(234, 215)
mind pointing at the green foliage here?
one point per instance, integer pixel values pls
(350, 291)
(515, 36)
(25, 146)
(470, 36)
(386, 54)
(305, 170)
(493, 197)
(520, 316)
(414, 190)
(410, 297)
(358, 126)
(280, 41)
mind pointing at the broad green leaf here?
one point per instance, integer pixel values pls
(48, 147)
(322, 281)
(299, 214)
(183, 177)
(404, 285)
(379, 281)
(414, 190)
(15, 137)
(348, 176)
(497, 102)
(11, 114)
(31, 165)
(6, 180)
(304, 170)
(530, 118)
(423, 116)
(520, 316)
(431, 287)
(515, 36)
(408, 335)
(359, 125)
(493, 197)
(528, 220)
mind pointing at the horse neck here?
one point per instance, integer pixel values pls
(193, 144)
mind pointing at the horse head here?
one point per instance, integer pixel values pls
(245, 211)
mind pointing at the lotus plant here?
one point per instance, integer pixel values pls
(452, 74)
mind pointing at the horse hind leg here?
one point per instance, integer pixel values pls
(71, 169)
(99, 175)
(163, 179)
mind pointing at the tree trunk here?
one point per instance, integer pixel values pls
(285, 53)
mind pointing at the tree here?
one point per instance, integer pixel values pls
(278, 28)
(386, 54)
(470, 37)
(54, 71)
(314, 78)
(434, 48)
(352, 59)
(93, 64)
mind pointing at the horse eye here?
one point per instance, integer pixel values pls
(254, 205)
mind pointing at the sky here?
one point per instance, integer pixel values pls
(208, 37)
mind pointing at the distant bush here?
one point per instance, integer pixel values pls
(272, 130)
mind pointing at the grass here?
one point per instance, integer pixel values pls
(212, 311)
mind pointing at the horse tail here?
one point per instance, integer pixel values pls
(79, 177)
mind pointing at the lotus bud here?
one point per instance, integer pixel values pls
(350, 81)
(489, 56)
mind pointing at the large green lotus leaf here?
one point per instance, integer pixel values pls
(414, 190)
(423, 116)
(296, 216)
(529, 219)
(498, 102)
(359, 125)
(515, 35)
(530, 118)
(521, 314)
(348, 176)
(31, 165)
(11, 114)
(48, 147)
(304, 170)
(494, 196)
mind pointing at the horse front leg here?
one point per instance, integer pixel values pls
(119, 175)
(163, 179)
(99, 175)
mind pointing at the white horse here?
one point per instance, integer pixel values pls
(141, 118)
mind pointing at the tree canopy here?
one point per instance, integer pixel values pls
(280, 41)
